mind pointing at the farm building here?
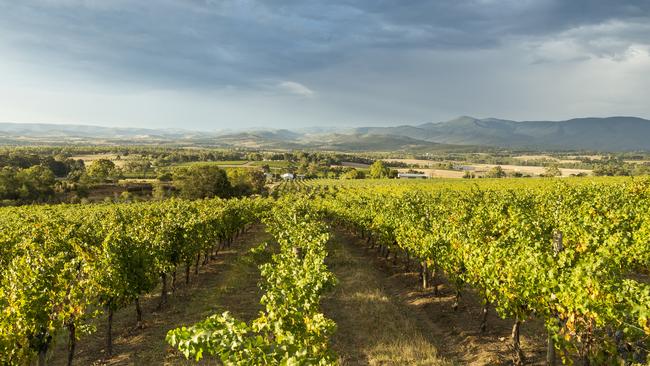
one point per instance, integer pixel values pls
(412, 176)
(287, 176)
(464, 167)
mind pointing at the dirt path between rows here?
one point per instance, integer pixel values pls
(385, 318)
(227, 283)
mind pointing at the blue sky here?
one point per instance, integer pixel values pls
(208, 64)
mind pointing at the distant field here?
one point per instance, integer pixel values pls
(592, 157)
(271, 163)
(137, 180)
(438, 173)
(230, 162)
(355, 165)
(547, 157)
(532, 170)
(411, 161)
(276, 165)
(241, 163)
(138, 175)
(534, 157)
(90, 158)
(637, 161)
(219, 162)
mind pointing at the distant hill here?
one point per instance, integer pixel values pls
(70, 131)
(463, 133)
(370, 142)
(607, 134)
(282, 139)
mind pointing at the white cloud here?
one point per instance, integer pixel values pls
(296, 88)
(613, 39)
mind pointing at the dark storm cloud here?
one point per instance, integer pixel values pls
(240, 43)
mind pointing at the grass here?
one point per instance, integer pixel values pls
(373, 328)
(384, 317)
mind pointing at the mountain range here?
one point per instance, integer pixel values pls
(609, 134)
(596, 134)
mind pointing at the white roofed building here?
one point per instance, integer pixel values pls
(412, 176)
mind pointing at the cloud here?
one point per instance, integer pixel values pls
(614, 39)
(369, 61)
(214, 44)
(296, 88)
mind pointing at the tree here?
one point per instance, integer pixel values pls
(246, 181)
(641, 169)
(202, 181)
(611, 168)
(58, 167)
(255, 156)
(165, 177)
(8, 183)
(159, 192)
(552, 171)
(138, 166)
(468, 175)
(379, 170)
(126, 196)
(102, 170)
(353, 174)
(496, 172)
(36, 182)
